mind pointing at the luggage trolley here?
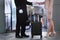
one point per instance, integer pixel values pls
(36, 25)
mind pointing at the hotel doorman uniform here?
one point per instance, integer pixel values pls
(21, 17)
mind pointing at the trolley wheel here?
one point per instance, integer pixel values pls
(32, 36)
(41, 36)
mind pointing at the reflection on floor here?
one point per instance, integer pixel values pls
(11, 36)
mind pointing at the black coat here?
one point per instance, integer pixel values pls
(21, 4)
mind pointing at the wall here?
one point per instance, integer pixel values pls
(2, 17)
(56, 14)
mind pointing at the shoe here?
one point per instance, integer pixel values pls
(17, 36)
(25, 35)
(54, 33)
(48, 35)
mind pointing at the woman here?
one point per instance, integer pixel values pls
(49, 9)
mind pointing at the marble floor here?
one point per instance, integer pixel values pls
(11, 36)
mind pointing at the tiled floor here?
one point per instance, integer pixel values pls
(11, 36)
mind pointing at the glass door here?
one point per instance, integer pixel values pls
(13, 16)
(10, 15)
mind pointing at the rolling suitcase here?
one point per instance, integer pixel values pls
(36, 29)
(36, 25)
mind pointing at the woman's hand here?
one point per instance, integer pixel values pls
(38, 3)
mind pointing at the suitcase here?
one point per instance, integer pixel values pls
(36, 29)
(36, 25)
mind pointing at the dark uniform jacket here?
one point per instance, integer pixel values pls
(21, 4)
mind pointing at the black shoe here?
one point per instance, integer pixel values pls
(25, 35)
(19, 36)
